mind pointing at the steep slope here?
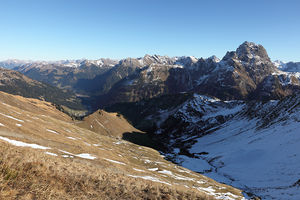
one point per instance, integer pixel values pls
(256, 152)
(102, 83)
(289, 69)
(16, 83)
(250, 145)
(66, 74)
(247, 73)
(44, 154)
(110, 124)
(146, 114)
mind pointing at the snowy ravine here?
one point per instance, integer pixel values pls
(256, 149)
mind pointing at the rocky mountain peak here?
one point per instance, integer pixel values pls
(249, 50)
(214, 59)
(165, 60)
(230, 55)
(130, 62)
(279, 64)
(291, 67)
(186, 60)
(252, 58)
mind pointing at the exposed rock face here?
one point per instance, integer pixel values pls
(249, 50)
(246, 73)
(236, 76)
(66, 74)
(292, 67)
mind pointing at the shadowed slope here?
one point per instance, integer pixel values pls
(45, 155)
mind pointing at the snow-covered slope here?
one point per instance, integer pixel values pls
(263, 162)
(279, 64)
(289, 69)
(12, 63)
(253, 146)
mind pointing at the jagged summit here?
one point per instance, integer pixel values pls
(238, 75)
(214, 58)
(186, 60)
(250, 50)
(288, 67)
(247, 52)
(165, 60)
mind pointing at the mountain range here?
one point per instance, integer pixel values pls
(234, 119)
(247, 73)
(17, 83)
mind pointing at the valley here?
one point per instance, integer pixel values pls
(45, 154)
(180, 123)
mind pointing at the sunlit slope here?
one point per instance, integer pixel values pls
(45, 155)
(110, 124)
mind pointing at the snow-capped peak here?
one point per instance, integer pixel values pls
(250, 50)
(186, 60)
(279, 64)
(214, 58)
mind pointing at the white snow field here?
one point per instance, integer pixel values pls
(245, 153)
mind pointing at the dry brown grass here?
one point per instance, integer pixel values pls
(28, 174)
(110, 124)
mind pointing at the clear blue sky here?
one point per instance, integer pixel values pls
(73, 29)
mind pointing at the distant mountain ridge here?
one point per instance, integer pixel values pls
(241, 74)
(14, 82)
(287, 67)
(247, 73)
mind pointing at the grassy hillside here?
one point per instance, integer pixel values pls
(44, 154)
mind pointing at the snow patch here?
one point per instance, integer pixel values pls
(23, 144)
(86, 156)
(87, 144)
(138, 170)
(150, 178)
(52, 131)
(71, 138)
(82, 155)
(10, 117)
(166, 172)
(153, 169)
(113, 161)
(6, 105)
(51, 154)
